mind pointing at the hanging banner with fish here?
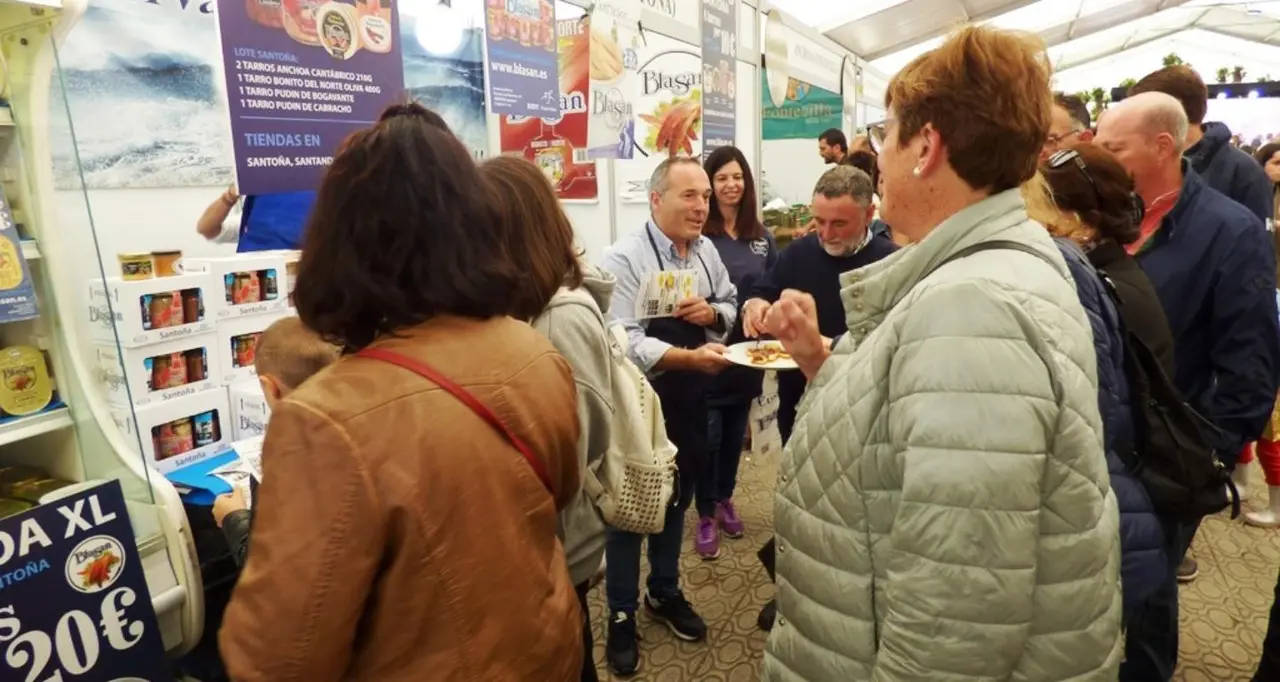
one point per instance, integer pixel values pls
(614, 42)
(73, 595)
(559, 145)
(668, 112)
(806, 112)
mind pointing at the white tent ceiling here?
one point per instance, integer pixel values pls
(1090, 41)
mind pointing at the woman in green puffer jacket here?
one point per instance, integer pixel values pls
(944, 510)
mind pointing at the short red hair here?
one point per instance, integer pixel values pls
(986, 91)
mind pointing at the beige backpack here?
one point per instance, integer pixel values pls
(636, 478)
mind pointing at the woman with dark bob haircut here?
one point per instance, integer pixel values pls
(412, 488)
(567, 300)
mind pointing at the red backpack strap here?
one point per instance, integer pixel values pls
(430, 374)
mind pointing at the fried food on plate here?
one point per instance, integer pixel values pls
(767, 353)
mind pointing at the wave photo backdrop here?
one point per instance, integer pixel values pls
(141, 83)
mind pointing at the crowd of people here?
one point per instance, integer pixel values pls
(1004, 317)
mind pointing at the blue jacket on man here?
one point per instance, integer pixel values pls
(1144, 566)
(1214, 268)
(1231, 171)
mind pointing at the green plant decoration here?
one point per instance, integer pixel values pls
(1222, 74)
(1237, 74)
(1128, 83)
(1172, 59)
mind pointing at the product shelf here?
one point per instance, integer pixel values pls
(78, 439)
(22, 428)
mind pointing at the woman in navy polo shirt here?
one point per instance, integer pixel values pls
(259, 222)
(747, 250)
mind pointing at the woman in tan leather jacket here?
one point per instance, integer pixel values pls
(399, 537)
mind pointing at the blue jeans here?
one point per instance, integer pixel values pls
(726, 429)
(622, 560)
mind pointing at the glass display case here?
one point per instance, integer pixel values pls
(63, 331)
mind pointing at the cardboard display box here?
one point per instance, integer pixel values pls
(160, 427)
(129, 372)
(264, 272)
(249, 411)
(237, 359)
(147, 311)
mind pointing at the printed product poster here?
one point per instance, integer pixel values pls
(250, 452)
(614, 43)
(521, 38)
(558, 145)
(73, 596)
(807, 111)
(663, 290)
(719, 73)
(17, 295)
(155, 66)
(237, 474)
(447, 75)
(668, 112)
(301, 75)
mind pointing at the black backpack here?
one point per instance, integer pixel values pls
(1173, 457)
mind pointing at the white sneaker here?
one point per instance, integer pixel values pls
(1262, 519)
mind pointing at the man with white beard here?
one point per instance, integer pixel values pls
(839, 242)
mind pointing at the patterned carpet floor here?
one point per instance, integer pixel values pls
(1223, 615)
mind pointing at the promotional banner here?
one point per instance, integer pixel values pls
(559, 145)
(668, 119)
(301, 75)
(614, 43)
(156, 67)
(444, 70)
(521, 38)
(719, 73)
(806, 111)
(73, 596)
(681, 11)
(17, 293)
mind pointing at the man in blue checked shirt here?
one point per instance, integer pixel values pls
(679, 354)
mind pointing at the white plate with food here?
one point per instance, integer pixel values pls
(761, 355)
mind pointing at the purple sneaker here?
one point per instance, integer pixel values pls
(729, 520)
(707, 539)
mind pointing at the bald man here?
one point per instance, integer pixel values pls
(1213, 267)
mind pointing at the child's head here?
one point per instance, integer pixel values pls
(288, 354)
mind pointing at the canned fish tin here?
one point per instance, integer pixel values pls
(136, 266)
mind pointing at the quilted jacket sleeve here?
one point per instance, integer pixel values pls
(971, 412)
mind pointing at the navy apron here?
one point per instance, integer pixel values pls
(683, 394)
(274, 221)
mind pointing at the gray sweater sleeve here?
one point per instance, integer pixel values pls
(577, 332)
